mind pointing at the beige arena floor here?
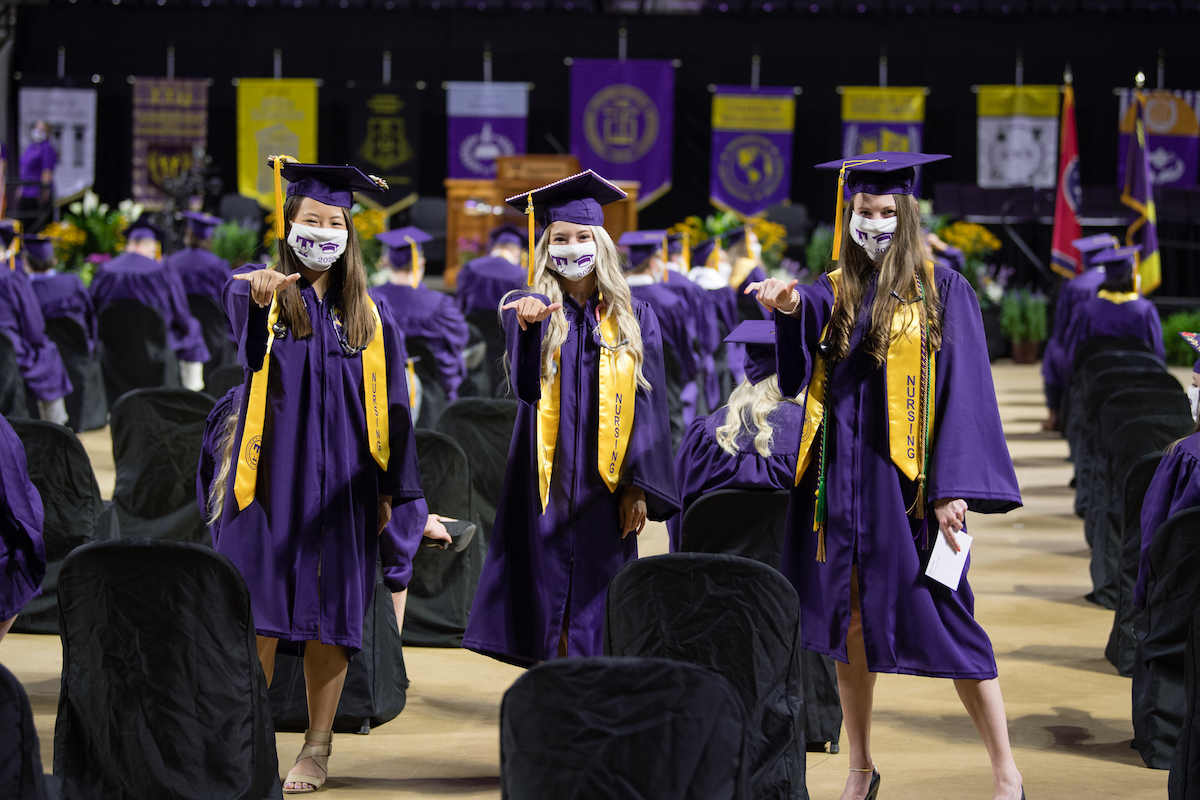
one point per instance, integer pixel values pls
(1068, 709)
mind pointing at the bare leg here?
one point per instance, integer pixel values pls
(266, 656)
(325, 668)
(857, 687)
(400, 602)
(985, 705)
(6, 624)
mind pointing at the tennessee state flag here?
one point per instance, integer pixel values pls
(1138, 194)
(1064, 258)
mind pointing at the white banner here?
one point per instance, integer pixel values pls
(71, 115)
(1018, 136)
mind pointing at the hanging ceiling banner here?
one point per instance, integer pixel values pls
(484, 120)
(751, 147)
(1018, 136)
(274, 117)
(385, 136)
(71, 115)
(170, 121)
(1172, 136)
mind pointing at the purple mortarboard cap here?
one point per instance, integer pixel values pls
(200, 224)
(7, 235)
(143, 228)
(400, 244)
(578, 199)
(759, 337)
(1090, 246)
(1194, 340)
(39, 248)
(885, 172)
(736, 235)
(641, 245)
(327, 183)
(1117, 260)
(674, 244)
(702, 251)
(508, 234)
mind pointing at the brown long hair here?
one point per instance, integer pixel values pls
(905, 259)
(347, 282)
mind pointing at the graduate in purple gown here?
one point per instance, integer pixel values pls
(703, 394)
(323, 446)
(38, 360)
(582, 475)
(902, 437)
(705, 274)
(22, 552)
(750, 443)
(59, 294)
(744, 252)
(483, 282)
(425, 315)
(37, 168)
(198, 269)
(138, 275)
(1071, 294)
(1116, 310)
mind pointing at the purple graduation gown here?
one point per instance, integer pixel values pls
(1136, 319)
(200, 272)
(911, 624)
(37, 158)
(1071, 295)
(22, 552)
(21, 320)
(130, 276)
(540, 565)
(432, 317)
(62, 294)
(674, 324)
(702, 466)
(1175, 488)
(483, 282)
(307, 545)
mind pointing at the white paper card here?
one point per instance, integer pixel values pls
(945, 565)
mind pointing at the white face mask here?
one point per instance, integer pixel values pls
(1193, 393)
(873, 235)
(756, 250)
(317, 248)
(37, 135)
(573, 261)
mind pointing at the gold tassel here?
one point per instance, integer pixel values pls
(532, 243)
(821, 544)
(917, 510)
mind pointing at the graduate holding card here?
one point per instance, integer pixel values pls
(901, 438)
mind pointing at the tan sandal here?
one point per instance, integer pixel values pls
(319, 754)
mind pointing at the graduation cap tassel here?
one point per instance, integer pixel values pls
(665, 258)
(687, 254)
(529, 213)
(277, 163)
(837, 219)
(821, 515)
(416, 280)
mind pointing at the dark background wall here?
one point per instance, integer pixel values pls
(948, 52)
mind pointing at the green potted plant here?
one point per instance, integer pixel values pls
(1023, 321)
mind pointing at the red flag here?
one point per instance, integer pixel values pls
(1064, 258)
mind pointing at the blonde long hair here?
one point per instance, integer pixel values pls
(905, 259)
(749, 409)
(611, 283)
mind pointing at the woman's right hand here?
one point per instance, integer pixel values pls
(264, 283)
(530, 309)
(774, 293)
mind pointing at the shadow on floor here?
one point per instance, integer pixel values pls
(416, 786)
(1088, 659)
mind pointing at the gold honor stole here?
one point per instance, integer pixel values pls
(1117, 298)
(741, 270)
(374, 364)
(617, 392)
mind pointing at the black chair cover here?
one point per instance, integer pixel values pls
(433, 396)
(162, 693)
(87, 404)
(1074, 394)
(21, 776)
(13, 404)
(1184, 782)
(751, 525)
(1122, 646)
(1172, 597)
(61, 471)
(740, 619)
(215, 326)
(376, 683)
(157, 439)
(493, 336)
(1100, 344)
(478, 382)
(621, 729)
(483, 429)
(134, 352)
(443, 582)
(223, 379)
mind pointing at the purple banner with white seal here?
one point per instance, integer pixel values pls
(1172, 136)
(751, 147)
(623, 120)
(484, 120)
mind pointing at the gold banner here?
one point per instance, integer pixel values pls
(741, 112)
(880, 104)
(273, 116)
(1018, 101)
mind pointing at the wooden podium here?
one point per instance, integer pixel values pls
(474, 207)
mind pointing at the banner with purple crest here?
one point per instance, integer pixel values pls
(623, 121)
(1172, 135)
(751, 147)
(484, 120)
(875, 118)
(170, 121)
(385, 140)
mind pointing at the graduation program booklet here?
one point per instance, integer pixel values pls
(945, 565)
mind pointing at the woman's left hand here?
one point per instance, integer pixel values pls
(633, 511)
(951, 518)
(385, 511)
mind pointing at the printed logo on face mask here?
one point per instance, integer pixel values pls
(317, 248)
(573, 261)
(873, 235)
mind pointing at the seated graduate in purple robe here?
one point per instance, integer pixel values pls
(425, 315)
(590, 459)
(22, 551)
(59, 294)
(902, 437)
(1116, 310)
(138, 275)
(38, 360)
(1072, 293)
(483, 282)
(198, 269)
(750, 443)
(705, 273)
(322, 448)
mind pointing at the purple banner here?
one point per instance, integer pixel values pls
(622, 121)
(485, 120)
(871, 137)
(751, 147)
(1172, 136)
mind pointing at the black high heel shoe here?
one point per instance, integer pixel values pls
(873, 789)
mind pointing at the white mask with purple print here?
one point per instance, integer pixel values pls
(873, 235)
(317, 248)
(573, 261)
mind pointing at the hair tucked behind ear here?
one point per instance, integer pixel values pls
(905, 259)
(749, 411)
